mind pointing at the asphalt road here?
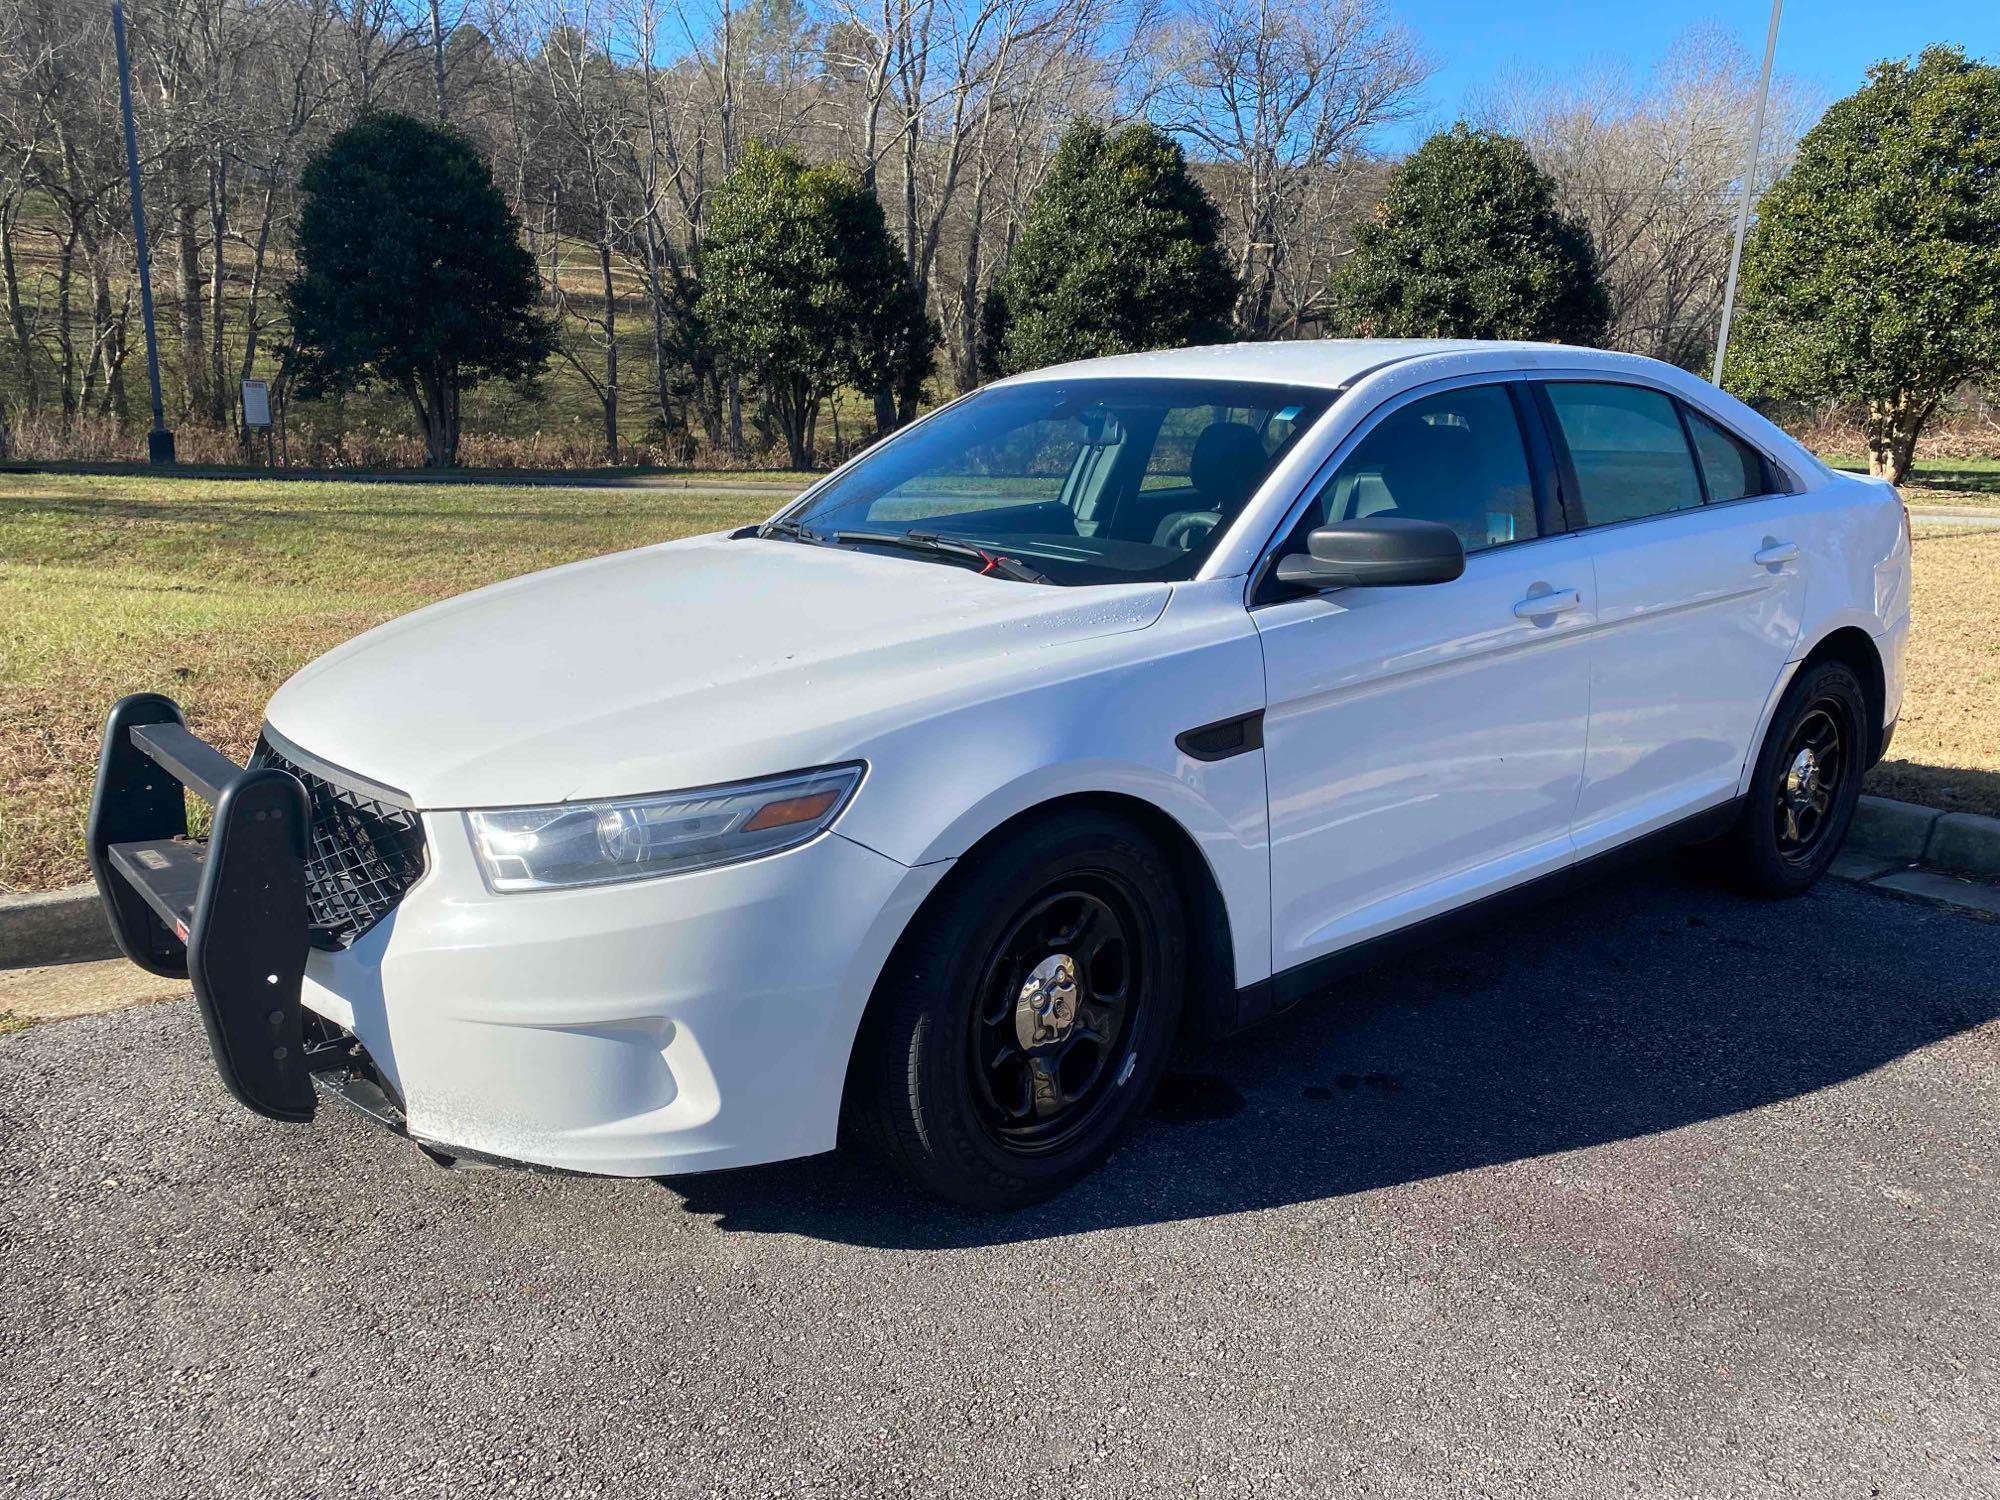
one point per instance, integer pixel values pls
(1660, 1192)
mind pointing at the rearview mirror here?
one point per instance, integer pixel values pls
(1375, 552)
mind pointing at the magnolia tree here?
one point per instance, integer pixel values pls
(805, 291)
(1874, 270)
(1469, 242)
(411, 274)
(1121, 252)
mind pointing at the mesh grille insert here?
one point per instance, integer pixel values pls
(365, 854)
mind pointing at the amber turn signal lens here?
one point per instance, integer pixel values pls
(790, 810)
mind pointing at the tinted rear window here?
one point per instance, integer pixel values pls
(1628, 448)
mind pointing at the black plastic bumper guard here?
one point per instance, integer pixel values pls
(229, 914)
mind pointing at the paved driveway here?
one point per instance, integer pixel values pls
(1659, 1192)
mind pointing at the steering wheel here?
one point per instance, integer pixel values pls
(1188, 531)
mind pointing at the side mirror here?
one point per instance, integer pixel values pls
(1373, 553)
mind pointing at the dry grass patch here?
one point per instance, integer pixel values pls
(1947, 747)
(216, 591)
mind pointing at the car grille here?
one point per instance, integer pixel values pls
(366, 853)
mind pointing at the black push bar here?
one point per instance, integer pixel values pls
(228, 913)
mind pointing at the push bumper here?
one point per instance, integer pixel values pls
(227, 913)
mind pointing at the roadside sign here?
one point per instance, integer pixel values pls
(256, 403)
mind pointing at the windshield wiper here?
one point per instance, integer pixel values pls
(792, 531)
(926, 541)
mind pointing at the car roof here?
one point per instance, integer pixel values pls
(1331, 363)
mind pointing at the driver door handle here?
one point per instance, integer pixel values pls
(1548, 606)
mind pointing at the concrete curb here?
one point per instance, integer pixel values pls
(53, 927)
(1963, 843)
(67, 926)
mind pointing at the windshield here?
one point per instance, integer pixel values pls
(1081, 481)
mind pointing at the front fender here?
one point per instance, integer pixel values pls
(1105, 725)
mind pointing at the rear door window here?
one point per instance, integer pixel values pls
(1627, 448)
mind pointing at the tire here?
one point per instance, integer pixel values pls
(1792, 825)
(979, 1074)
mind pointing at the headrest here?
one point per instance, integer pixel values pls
(1434, 469)
(1228, 461)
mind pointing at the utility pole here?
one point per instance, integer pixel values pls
(437, 56)
(159, 442)
(1749, 189)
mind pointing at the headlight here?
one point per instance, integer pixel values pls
(596, 843)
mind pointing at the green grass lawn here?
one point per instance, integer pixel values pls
(1944, 481)
(215, 591)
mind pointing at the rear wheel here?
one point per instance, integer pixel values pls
(1026, 1017)
(1805, 784)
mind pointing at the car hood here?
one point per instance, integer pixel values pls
(679, 665)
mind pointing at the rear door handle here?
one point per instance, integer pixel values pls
(1548, 606)
(1774, 553)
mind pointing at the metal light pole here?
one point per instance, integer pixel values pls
(159, 442)
(1749, 188)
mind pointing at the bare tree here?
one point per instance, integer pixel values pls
(1282, 96)
(1654, 167)
(586, 97)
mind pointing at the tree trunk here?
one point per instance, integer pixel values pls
(1894, 424)
(437, 57)
(610, 340)
(17, 319)
(656, 295)
(435, 402)
(220, 407)
(65, 337)
(188, 270)
(106, 331)
(791, 405)
(971, 298)
(253, 296)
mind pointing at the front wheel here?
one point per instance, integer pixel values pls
(1021, 1027)
(1805, 784)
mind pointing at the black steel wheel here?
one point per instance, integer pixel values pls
(1810, 771)
(1019, 1030)
(1055, 1011)
(1804, 785)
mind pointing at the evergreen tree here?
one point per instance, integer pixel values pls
(1874, 270)
(803, 290)
(411, 273)
(1121, 252)
(1468, 242)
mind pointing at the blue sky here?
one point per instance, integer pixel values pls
(1825, 43)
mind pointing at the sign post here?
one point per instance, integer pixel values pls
(257, 413)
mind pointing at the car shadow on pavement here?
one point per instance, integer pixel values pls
(1655, 1001)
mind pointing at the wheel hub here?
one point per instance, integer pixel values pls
(1802, 780)
(1045, 1009)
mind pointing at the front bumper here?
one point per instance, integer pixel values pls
(682, 1024)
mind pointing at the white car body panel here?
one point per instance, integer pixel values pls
(1691, 635)
(1422, 748)
(679, 665)
(1396, 792)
